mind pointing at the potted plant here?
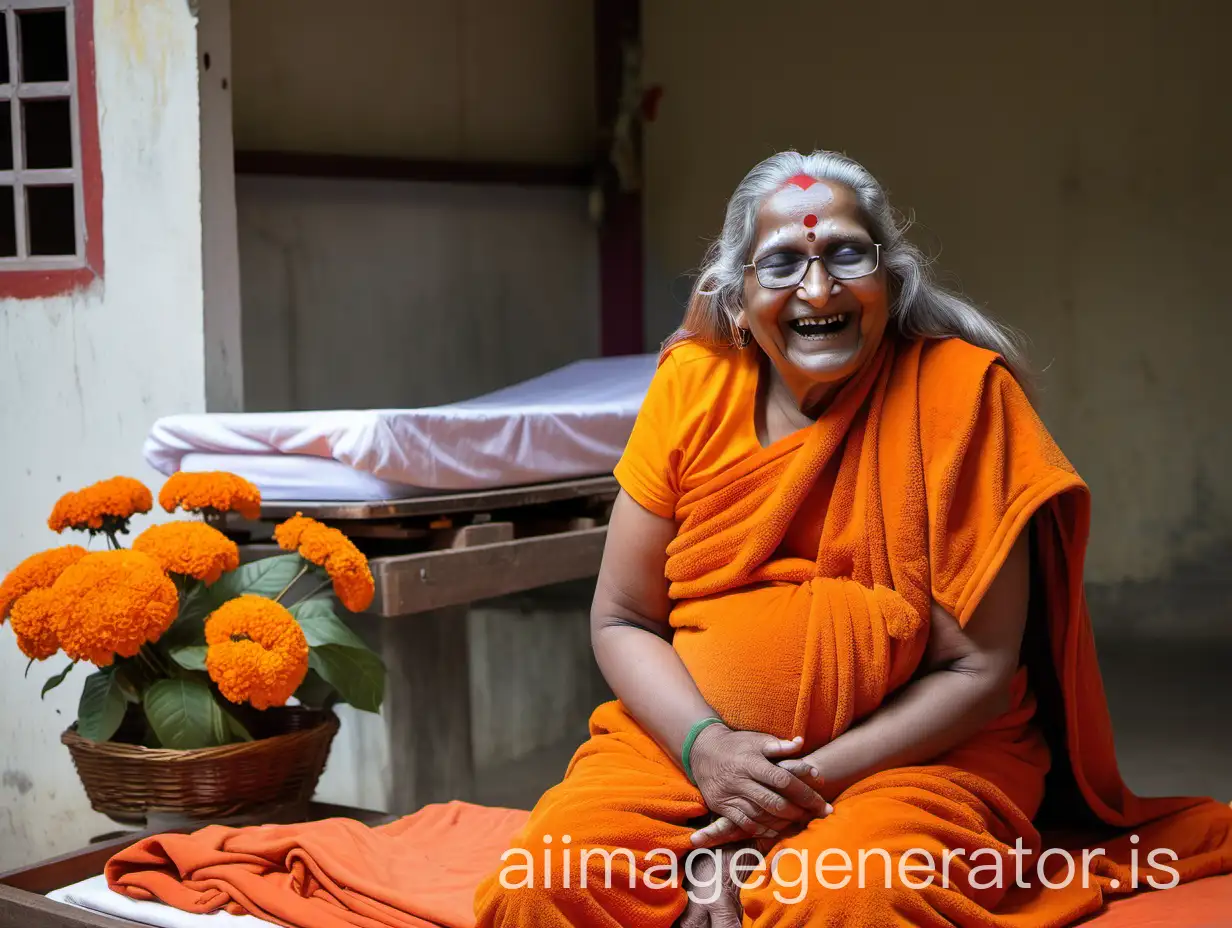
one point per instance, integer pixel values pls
(196, 656)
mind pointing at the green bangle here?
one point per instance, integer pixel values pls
(686, 749)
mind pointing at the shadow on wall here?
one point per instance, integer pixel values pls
(1192, 601)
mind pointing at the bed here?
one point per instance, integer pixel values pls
(566, 424)
(39, 896)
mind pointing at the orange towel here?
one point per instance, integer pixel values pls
(937, 464)
(418, 871)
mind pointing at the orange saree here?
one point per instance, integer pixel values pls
(928, 466)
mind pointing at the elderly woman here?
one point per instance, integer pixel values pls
(838, 512)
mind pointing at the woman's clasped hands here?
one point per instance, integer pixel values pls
(737, 774)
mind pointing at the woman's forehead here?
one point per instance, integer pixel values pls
(805, 204)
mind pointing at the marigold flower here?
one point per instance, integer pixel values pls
(36, 572)
(329, 548)
(103, 506)
(257, 652)
(190, 548)
(292, 530)
(211, 491)
(112, 602)
(32, 622)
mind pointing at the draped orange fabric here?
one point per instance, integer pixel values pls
(932, 463)
(417, 872)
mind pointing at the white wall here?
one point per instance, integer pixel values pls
(83, 377)
(1068, 158)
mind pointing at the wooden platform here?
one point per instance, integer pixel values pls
(431, 552)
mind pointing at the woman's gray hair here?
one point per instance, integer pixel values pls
(919, 306)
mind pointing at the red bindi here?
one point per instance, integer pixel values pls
(803, 181)
(810, 220)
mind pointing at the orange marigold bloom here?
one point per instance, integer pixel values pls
(329, 548)
(190, 548)
(103, 506)
(36, 572)
(112, 602)
(33, 624)
(257, 651)
(216, 491)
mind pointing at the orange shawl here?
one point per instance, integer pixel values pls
(938, 463)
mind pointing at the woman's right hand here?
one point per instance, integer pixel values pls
(738, 780)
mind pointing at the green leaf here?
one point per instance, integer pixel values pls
(314, 692)
(321, 626)
(56, 680)
(267, 577)
(356, 673)
(102, 706)
(28, 666)
(234, 726)
(127, 687)
(184, 715)
(188, 629)
(190, 658)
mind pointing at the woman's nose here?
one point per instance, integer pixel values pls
(815, 288)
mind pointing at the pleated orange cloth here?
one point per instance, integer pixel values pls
(418, 871)
(918, 480)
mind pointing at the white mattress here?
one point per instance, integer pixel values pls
(571, 422)
(93, 894)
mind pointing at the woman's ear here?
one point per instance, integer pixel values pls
(742, 320)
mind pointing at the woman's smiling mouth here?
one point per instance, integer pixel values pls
(820, 327)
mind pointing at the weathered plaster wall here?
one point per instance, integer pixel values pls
(389, 294)
(379, 293)
(1067, 162)
(82, 378)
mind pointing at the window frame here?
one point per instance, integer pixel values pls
(47, 275)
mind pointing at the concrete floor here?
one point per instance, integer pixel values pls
(1172, 715)
(1171, 708)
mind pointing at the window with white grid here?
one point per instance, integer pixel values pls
(42, 203)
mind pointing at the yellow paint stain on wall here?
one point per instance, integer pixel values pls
(151, 36)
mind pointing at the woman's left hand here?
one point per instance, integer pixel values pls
(714, 895)
(723, 831)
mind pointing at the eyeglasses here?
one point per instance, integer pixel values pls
(846, 261)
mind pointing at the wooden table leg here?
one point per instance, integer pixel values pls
(428, 708)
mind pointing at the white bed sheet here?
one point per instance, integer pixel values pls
(571, 422)
(301, 477)
(94, 895)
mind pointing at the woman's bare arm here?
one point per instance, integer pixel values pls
(631, 600)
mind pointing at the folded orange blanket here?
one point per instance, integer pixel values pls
(418, 871)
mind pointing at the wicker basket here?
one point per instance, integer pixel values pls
(127, 781)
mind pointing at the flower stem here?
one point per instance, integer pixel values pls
(303, 570)
(154, 660)
(326, 582)
(144, 659)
